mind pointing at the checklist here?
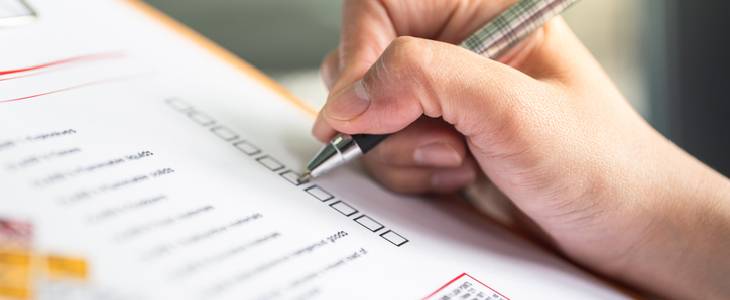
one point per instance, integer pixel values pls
(274, 165)
(153, 164)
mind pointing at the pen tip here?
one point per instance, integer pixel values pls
(306, 177)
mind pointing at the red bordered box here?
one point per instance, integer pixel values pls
(464, 284)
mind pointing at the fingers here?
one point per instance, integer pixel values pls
(366, 32)
(322, 131)
(422, 180)
(369, 26)
(425, 143)
(427, 157)
(330, 69)
(415, 77)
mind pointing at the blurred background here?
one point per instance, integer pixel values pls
(668, 57)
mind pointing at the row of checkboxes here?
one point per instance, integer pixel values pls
(291, 176)
(324, 196)
(347, 210)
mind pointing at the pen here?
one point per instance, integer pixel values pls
(497, 36)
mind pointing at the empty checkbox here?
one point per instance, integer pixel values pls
(270, 163)
(247, 147)
(394, 238)
(343, 208)
(319, 193)
(224, 133)
(291, 176)
(178, 104)
(200, 118)
(369, 223)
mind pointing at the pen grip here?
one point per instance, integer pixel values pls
(368, 141)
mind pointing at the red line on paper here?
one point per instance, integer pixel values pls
(457, 278)
(87, 84)
(22, 76)
(80, 58)
(444, 286)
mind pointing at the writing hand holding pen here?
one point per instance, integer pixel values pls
(544, 124)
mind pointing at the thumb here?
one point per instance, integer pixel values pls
(416, 76)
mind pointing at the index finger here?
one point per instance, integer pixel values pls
(366, 32)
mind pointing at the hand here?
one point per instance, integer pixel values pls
(544, 124)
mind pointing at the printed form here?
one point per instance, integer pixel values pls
(135, 163)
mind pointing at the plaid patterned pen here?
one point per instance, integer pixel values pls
(513, 25)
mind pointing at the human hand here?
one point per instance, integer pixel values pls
(544, 124)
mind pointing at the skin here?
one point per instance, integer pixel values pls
(545, 124)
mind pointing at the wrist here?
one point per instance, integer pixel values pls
(681, 253)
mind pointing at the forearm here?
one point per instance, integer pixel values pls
(684, 254)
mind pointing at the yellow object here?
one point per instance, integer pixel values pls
(59, 267)
(15, 274)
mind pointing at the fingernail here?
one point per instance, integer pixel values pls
(450, 179)
(349, 103)
(437, 155)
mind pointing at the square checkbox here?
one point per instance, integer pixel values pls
(224, 133)
(178, 104)
(343, 208)
(270, 163)
(291, 176)
(319, 193)
(369, 223)
(200, 118)
(394, 238)
(247, 147)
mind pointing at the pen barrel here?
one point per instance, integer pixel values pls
(513, 25)
(368, 141)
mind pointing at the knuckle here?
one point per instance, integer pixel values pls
(407, 56)
(405, 42)
(407, 66)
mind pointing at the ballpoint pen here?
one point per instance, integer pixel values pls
(492, 40)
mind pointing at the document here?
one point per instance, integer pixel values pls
(139, 161)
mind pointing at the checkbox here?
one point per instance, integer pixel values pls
(291, 176)
(200, 118)
(247, 147)
(319, 193)
(270, 163)
(394, 238)
(369, 223)
(224, 133)
(178, 104)
(343, 208)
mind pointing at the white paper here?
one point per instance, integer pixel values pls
(172, 173)
(12, 8)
